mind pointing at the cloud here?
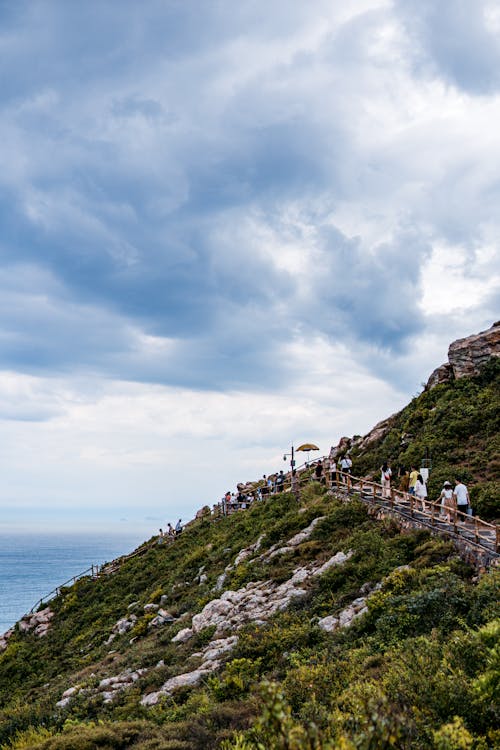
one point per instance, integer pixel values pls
(457, 40)
(222, 198)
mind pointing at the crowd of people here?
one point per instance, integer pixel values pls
(451, 499)
(336, 471)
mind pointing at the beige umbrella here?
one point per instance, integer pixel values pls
(307, 447)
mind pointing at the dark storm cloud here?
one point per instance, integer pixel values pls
(158, 158)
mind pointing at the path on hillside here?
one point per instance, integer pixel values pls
(470, 530)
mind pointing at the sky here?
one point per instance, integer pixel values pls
(227, 228)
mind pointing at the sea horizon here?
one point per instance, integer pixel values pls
(33, 564)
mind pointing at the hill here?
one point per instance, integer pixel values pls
(455, 421)
(298, 623)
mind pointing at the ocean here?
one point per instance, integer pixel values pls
(32, 565)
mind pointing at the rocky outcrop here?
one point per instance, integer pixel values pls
(210, 657)
(467, 356)
(4, 639)
(255, 602)
(442, 374)
(39, 622)
(377, 433)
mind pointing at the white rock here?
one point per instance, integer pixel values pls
(151, 607)
(339, 559)
(303, 535)
(63, 702)
(280, 551)
(42, 629)
(213, 613)
(151, 699)
(220, 582)
(218, 647)
(70, 691)
(329, 624)
(182, 636)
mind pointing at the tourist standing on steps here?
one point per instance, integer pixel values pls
(178, 527)
(421, 491)
(345, 468)
(280, 481)
(413, 480)
(318, 471)
(385, 479)
(461, 497)
(447, 502)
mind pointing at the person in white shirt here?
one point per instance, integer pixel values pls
(385, 479)
(461, 496)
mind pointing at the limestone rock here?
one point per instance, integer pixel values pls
(124, 625)
(188, 679)
(466, 356)
(182, 636)
(442, 374)
(339, 559)
(162, 618)
(377, 433)
(257, 601)
(329, 624)
(39, 622)
(5, 638)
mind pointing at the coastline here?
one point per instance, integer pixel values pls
(32, 564)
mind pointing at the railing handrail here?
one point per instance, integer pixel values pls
(57, 590)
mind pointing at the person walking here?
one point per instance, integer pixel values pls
(461, 497)
(413, 480)
(280, 481)
(447, 502)
(421, 491)
(178, 527)
(385, 479)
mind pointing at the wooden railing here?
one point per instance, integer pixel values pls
(93, 571)
(470, 528)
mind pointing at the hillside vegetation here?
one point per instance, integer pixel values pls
(417, 667)
(459, 424)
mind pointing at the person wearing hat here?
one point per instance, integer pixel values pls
(447, 501)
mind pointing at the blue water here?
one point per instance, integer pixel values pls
(32, 565)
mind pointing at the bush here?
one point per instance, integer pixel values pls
(485, 499)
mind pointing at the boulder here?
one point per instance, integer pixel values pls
(182, 636)
(329, 624)
(442, 374)
(467, 356)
